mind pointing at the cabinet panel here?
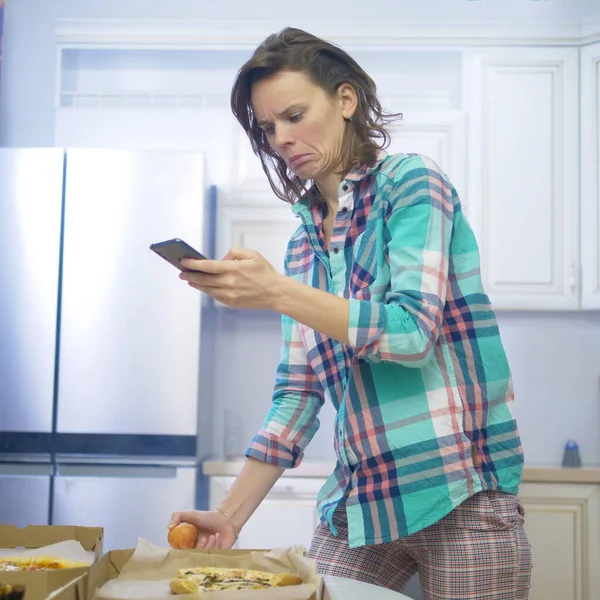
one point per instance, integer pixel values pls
(554, 532)
(287, 516)
(590, 176)
(523, 175)
(266, 230)
(562, 525)
(440, 135)
(280, 522)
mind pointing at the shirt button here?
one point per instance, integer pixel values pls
(336, 250)
(345, 209)
(345, 187)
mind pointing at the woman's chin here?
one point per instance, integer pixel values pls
(307, 170)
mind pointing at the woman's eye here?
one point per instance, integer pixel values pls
(270, 130)
(296, 118)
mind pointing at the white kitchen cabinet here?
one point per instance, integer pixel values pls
(523, 180)
(590, 177)
(266, 230)
(249, 214)
(287, 516)
(248, 179)
(563, 526)
(440, 135)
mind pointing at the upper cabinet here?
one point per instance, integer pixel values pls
(439, 134)
(512, 144)
(590, 177)
(515, 127)
(249, 214)
(523, 174)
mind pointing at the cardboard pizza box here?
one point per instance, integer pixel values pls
(39, 584)
(110, 566)
(82, 588)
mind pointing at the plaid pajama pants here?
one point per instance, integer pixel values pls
(479, 551)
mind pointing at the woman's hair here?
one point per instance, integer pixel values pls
(329, 67)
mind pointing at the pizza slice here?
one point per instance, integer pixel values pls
(212, 579)
(37, 563)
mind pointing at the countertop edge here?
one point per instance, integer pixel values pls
(318, 469)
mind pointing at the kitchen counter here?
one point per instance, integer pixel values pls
(226, 468)
(319, 469)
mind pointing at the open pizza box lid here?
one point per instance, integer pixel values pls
(83, 544)
(145, 573)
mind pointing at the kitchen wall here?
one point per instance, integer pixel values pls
(555, 357)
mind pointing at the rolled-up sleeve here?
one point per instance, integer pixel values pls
(405, 328)
(298, 396)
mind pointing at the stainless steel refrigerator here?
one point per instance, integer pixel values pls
(99, 339)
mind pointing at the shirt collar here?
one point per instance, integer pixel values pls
(356, 174)
(361, 171)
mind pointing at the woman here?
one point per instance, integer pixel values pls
(384, 315)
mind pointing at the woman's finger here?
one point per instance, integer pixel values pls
(201, 543)
(211, 543)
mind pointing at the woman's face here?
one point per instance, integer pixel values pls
(302, 122)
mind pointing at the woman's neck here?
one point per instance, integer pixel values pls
(328, 188)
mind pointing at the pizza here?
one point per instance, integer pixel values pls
(37, 563)
(198, 580)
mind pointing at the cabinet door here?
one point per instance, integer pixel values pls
(264, 229)
(440, 135)
(562, 523)
(590, 176)
(286, 517)
(523, 174)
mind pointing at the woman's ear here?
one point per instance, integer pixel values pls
(348, 100)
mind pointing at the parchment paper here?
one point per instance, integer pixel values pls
(147, 574)
(70, 550)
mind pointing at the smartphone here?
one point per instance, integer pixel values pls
(175, 250)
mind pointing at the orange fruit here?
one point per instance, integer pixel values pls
(183, 536)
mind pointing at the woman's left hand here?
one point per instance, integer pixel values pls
(241, 279)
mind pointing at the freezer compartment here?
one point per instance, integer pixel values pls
(31, 183)
(129, 500)
(24, 493)
(130, 329)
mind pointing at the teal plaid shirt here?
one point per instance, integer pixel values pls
(423, 391)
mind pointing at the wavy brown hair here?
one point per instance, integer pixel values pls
(329, 67)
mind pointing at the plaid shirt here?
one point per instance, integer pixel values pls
(423, 391)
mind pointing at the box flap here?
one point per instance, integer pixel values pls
(74, 590)
(35, 536)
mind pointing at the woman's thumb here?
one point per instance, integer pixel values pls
(188, 516)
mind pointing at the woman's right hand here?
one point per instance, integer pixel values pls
(214, 530)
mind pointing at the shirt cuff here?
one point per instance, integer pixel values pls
(273, 450)
(366, 323)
